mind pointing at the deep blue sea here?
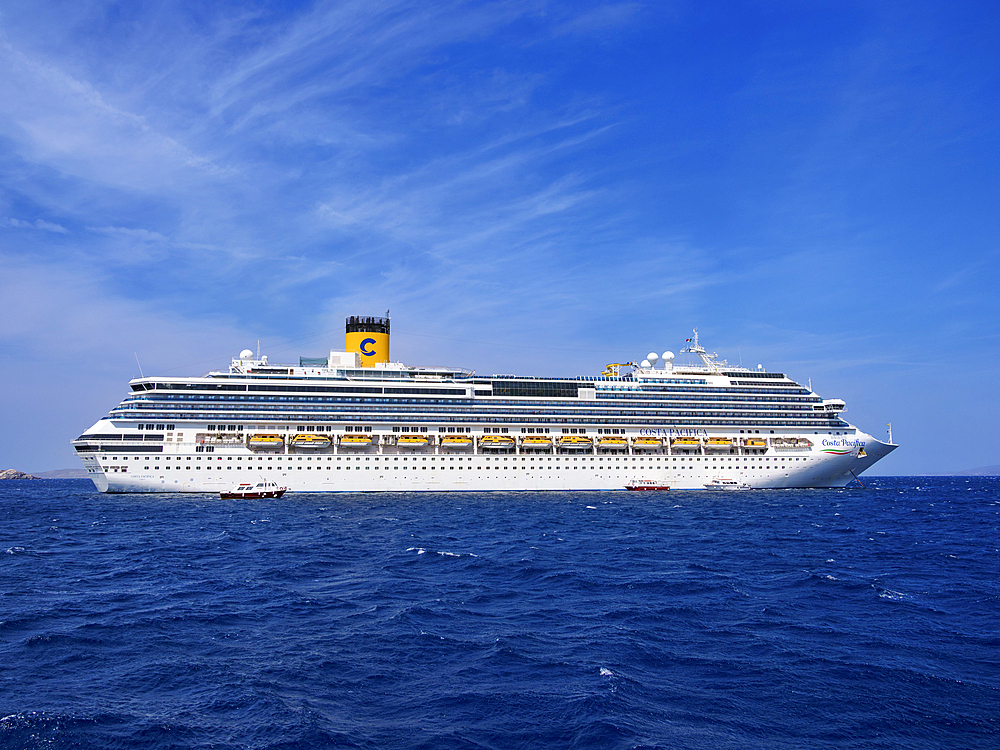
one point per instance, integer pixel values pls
(858, 618)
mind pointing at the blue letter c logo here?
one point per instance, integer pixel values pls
(365, 343)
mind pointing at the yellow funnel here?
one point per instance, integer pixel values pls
(369, 337)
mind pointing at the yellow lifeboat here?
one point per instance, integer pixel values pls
(718, 443)
(686, 443)
(612, 443)
(754, 443)
(265, 442)
(496, 442)
(647, 443)
(310, 441)
(355, 440)
(456, 441)
(536, 443)
(576, 442)
(412, 441)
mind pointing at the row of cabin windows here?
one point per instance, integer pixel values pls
(368, 428)
(397, 428)
(758, 459)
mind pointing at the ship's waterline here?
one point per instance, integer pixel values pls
(350, 422)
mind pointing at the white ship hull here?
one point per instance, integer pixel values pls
(374, 472)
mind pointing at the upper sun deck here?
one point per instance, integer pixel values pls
(338, 366)
(345, 366)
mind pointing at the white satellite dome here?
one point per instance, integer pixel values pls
(246, 354)
(645, 363)
(668, 356)
(653, 357)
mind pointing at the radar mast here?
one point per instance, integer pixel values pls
(711, 361)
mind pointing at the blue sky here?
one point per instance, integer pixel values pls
(532, 187)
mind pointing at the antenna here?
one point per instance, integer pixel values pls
(142, 376)
(258, 348)
(889, 425)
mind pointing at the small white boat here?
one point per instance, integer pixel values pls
(250, 490)
(727, 484)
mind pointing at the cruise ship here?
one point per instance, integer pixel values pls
(355, 421)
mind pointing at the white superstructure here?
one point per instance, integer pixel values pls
(339, 424)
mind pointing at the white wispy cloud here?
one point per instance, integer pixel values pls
(48, 226)
(140, 235)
